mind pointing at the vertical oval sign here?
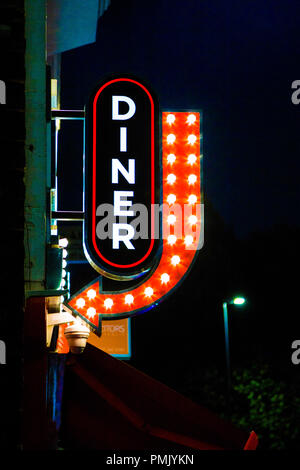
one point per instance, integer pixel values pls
(121, 235)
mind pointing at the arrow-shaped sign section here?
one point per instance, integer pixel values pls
(182, 229)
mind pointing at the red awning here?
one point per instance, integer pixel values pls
(110, 405)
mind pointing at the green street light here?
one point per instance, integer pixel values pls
(235, 301)
(238, 301)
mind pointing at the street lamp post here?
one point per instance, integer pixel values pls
(236, 301)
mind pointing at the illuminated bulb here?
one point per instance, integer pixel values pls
(80, 302)
(108, 303)
(171, 198)
(91, 294)
(171, 158)
(175, 260)
(192, 219)
(129, 299)
(148, 291)
(170, 118)
(63, 273)
(189, 240)
(64, 263)
(91, 312)
(192, 159)
(171, 219)
(191, 119)
(65, 253)
(192, 139)
(192, 199)
(172, 239)
(239, 301)
(164, 278)
(171, 178)
(63, 283)
(171, 138)
(63, 242)
(192, 179)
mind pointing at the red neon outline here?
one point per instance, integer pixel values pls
(94, 175)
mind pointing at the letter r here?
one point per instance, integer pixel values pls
(117, 237)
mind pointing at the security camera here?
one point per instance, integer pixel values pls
(77, 335)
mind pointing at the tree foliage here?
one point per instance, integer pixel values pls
(260, 401)
(268, 405)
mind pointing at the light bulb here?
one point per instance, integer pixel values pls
(129, 299)
(171, 158)
(192, 199)
(192, 219)
(170, 119)
(189, 239)
(91, 312)
(192, 179)
(164, 278)
(91, 293)
(171, 178)
(175, 260)
(191, 119)
(80, 302)
(63, 242)
(148, 291)
(171, 199)
(172, 239)
(108, 303)
(192, 159)
(192, 139)
(171, 219)
(171, 138)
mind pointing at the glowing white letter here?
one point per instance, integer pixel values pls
(117, 238)
(115, 108)
(123, 139)
(119, 202)
(116, 167)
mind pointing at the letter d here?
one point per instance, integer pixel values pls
(115, 108)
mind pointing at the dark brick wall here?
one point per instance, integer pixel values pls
(12, 151)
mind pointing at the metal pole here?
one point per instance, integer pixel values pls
(225, 315)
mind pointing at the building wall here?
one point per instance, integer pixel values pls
(12, 193)
(23, 147)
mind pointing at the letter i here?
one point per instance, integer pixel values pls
(123, 139)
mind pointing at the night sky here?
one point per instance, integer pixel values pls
(236, 62)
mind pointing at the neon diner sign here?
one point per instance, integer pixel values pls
(123, 166)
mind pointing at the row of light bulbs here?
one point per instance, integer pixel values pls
(128, 298)
(191, 119)
(63, 243)
(191, 139)
(191, 159)
(171, 178)
(175, 259)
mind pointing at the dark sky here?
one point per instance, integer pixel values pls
(234, 60)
